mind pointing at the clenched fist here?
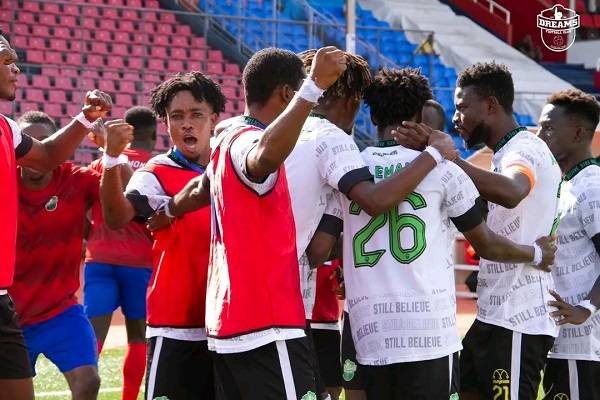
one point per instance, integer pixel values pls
(118, 135)
(96, 105)
(328, 65)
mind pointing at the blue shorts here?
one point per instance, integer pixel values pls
(108, 286)
(67, 340)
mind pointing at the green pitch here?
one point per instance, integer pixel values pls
(51, 385)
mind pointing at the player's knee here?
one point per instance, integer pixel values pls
(87, 386)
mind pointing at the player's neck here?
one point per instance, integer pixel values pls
(264, 114)
(571, 160)
(500, 130)
(141, 145)
(385, 133)
(331, 114)
(36, 183)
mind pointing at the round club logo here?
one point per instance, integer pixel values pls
(560, 396)
(557, 27)
(349, 370)
(500, 377)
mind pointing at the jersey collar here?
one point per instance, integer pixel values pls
(579, 167)
(317, 115)
(177, 157)
(387, 143)
(254, 122)
(507, 137)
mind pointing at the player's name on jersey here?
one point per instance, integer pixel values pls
(384, 171)
(528, 314)
(402, 307)
(410, 342)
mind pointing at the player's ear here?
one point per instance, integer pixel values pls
(493, 106)
(287, 93)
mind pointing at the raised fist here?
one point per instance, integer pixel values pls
(96, 105)
(118, 135)
(328, 65)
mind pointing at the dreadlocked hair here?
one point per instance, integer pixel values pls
(397, 95)
(352, 83)
(201, 87)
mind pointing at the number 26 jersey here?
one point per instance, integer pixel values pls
(398, 266)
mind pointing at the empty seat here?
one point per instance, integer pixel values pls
(73, 109)
(165, 29)
(50, 71)
(135, 63)
(47, 19)
(180, 41)
(178, 53)
(160, 40)
(198, 42)
(183, 30)
(103, 36)
(22, 80)
(215, 55)
(25, 18)
(25, 106)
(127, 87)
(40, 81)
(88, 23)
(37, 43)
(63, 82)
(166, 17)
(130, 15)
(69, 71)
(107, 86)
(197, 54)
(57, 96)
(31, 6)
(176, 66)
(126, 26)
(6, 15)
(108, 24)
(115, 61)
(123, 100)
(21, 29)
(71, 9)
(19, 42)
(73, 59)
(232, 69)
(137, 50)
(58, 44)
(32, 94)
(52, 57)
(131, 76)
(214, 68)
(158, 52)
(68, 21)
(62, 32)
(122, 37)
(111, 75)
(95, 60)
(119, 49)
(156, 65)
(110, 13)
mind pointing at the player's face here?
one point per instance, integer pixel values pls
(38, 132)
(8, 70)
(190, 123)
(469, 117)
(557, 130)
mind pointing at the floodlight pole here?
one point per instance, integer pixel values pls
(351, 26)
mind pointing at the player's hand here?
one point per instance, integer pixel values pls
(411, 136)
(96, 105)
(159, 220)
(567, 313)
(548, 246)
(118, 135)
(329, 64)
(443, 143)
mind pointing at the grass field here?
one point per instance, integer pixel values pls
(51, 385)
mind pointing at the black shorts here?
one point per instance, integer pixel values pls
(280, 370)
(315, 362)
(352, 372)
(179, 369)
(14, 358)
(499, 363)
(572, 379)
(327, 347)
(419, 380)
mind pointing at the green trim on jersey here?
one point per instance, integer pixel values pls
(507, 138)
(387, 143)
(579, 167)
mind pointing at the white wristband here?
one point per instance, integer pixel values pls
(309, 91)
(433, 152)
(588, 306)
(537, 255)
(108, 162)
(83, 120)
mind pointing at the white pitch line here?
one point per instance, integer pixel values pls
(68, 392)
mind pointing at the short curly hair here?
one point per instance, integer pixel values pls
(37, 117)
(397, 95)
(579, 104)
(201, 87)
(267, 69)
(352, 83)
(490, 79)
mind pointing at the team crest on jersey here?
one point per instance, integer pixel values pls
(561, 396)
(51, 204)
(349, 370)
(454, 396)
(309, 396)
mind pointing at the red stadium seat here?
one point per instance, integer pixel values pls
(131, 76)
(63, 82)
(168, 18)
(70, 9)
(53, 57)
(73, 59)
(197, 54)
(69, 72)
(141, 38)
(6, 16)
(131, 15)
(597, 20)
(137, 51)
(178, 53)
(215, 55)
(103, 36)
(111, 75)
(148, 27)
(73, 109)
(229, 93)
(91, 12)
(165, 29)
(57, 96)
(127, 87)
(160, 40)
(232, 69)
(34, 95)
(37, 43)
(51, 71)
(88, 23)
(53, 110)
(40, 81)
(110, 13)
(22, 80)
(152, 4)
(68, 21)
(107, 86)
(58, 44)
(108, 24)
(21, 29)
(31, 6)
(118, 111)
(62, 32)
(176, 66)
(198, 42)
(76, 46)
(19, 42)
(90, 73)
(123, 100)
(214, 68)
(156, 65)
(149, 16)
(183, 30)
(115, 61)
(47, 19)
(180, 41)
(135, 63)
(158, 52)
(116, 3)
(40, 30)
(125, 26)
(122, 37)
(28, 106)
(95, 60)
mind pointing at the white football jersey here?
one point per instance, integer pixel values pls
(398, 269)
(514, 296)
(577, 264)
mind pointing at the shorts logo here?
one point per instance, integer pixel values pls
(501, 384)
(561, 396)
(349, 370)
(454, 396)
(557, 27)
(309, 396)
(51, 204)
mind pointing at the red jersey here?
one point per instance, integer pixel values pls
(177, 290)
(130, 246)
(254, 281)
(50, 242)
(327, 306)
(8, 211)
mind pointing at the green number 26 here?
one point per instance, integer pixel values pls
(396, 223)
